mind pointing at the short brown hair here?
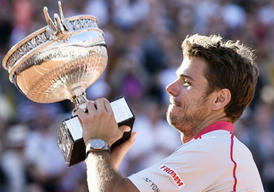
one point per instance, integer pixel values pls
(229, 65)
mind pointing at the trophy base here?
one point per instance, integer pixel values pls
(70, 140)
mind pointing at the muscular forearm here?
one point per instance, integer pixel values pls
(100, 174)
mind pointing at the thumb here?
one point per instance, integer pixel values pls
(125, 128)
(128, 143)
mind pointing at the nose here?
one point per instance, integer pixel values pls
(172, 89)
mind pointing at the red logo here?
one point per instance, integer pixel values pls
(175, 177)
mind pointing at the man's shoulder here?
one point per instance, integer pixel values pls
(214, 147)
(210, 142)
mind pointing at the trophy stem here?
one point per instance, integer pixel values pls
(80, 102)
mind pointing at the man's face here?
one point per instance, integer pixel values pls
(189, 104)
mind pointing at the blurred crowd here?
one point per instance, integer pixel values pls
(144, 47)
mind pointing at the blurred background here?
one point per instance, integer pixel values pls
(144, 46)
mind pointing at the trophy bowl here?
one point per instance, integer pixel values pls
(58, 62)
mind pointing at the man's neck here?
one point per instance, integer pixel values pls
(208, 121)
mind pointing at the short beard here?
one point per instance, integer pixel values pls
(188, 124)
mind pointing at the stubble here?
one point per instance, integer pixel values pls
(187, 122)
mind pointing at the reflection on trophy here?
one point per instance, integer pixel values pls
(58, 62)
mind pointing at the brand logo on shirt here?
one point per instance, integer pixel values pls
(175, 177)
(153, 186)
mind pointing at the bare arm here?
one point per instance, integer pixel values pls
(102, 177)
(102, 167)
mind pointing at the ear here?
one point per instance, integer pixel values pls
(222, 98)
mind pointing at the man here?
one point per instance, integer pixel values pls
(215, 83)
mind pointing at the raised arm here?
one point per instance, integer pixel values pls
(102, 166)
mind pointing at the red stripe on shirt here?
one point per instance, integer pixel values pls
(219, 125)
(235, 164)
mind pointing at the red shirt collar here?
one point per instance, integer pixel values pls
(219, 125)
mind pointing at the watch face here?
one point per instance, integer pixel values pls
(97, 144)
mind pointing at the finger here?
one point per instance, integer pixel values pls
(107, 106)
(128, 143)
(125, 128)
(132, 138)
(80, 113)
(91, 107)
(99, 103)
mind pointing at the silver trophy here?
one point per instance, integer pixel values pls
(60, 61)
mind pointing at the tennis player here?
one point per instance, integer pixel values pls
(215, 83)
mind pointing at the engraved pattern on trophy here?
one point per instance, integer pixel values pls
(77, 24)
(25, 48)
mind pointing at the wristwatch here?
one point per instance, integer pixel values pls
(97, 145)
